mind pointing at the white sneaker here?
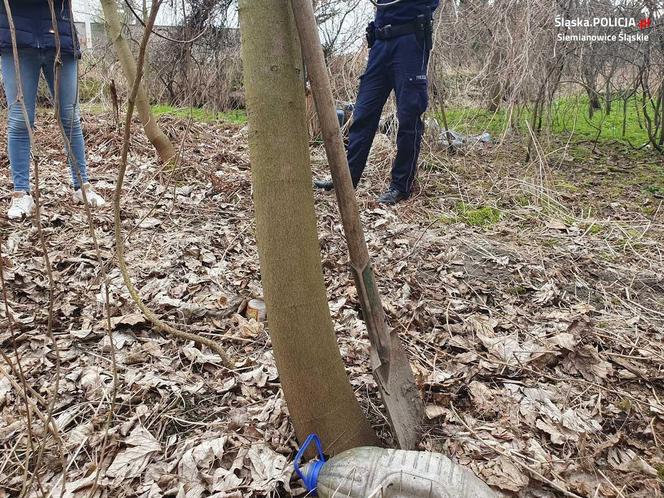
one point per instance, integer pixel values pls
(21, 207)
(94, 199)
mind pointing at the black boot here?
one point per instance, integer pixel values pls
(392, 196)
(324, 184)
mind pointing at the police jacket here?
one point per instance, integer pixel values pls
(34, 27)
(403, 12)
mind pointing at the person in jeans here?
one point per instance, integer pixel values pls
(36, 44)
(400, 42)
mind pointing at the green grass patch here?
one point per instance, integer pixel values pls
(647, 177)
(656, 190)
(567, 116)
(562, 184)
(477, 217)
(570, 116)
(473, 121)
(199, 114)
(474, 216)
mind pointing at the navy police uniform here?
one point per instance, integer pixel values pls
(400, 41)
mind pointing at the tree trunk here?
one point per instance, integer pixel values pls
(593, 101)
(495, 89)
(159, 140)
(320, 399)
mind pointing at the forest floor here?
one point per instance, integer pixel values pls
(530, 297)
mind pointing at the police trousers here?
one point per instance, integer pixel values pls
(398, 64)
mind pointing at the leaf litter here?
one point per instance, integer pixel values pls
(537, 345)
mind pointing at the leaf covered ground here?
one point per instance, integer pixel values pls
(530, 297)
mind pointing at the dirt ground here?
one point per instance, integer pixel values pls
(530, 297)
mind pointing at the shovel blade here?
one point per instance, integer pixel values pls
(400, 395)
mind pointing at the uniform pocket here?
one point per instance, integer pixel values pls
(415, 94)
(418, 40)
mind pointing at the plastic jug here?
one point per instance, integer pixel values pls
(370, 472)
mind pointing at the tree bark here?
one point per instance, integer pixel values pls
(320, 399)
(159, 140)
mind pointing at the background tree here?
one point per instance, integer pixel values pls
(161, 142)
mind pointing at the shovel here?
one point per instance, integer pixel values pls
(389, 362)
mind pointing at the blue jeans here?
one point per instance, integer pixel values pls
(32, 62)
(398, 64)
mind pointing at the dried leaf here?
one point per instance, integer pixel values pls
(434, 411)
(131, 461)
(268, 467)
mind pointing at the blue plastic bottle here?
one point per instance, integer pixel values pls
(370, 472)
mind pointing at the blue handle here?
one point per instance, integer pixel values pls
(311, 479)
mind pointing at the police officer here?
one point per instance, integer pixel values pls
(400, 39)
